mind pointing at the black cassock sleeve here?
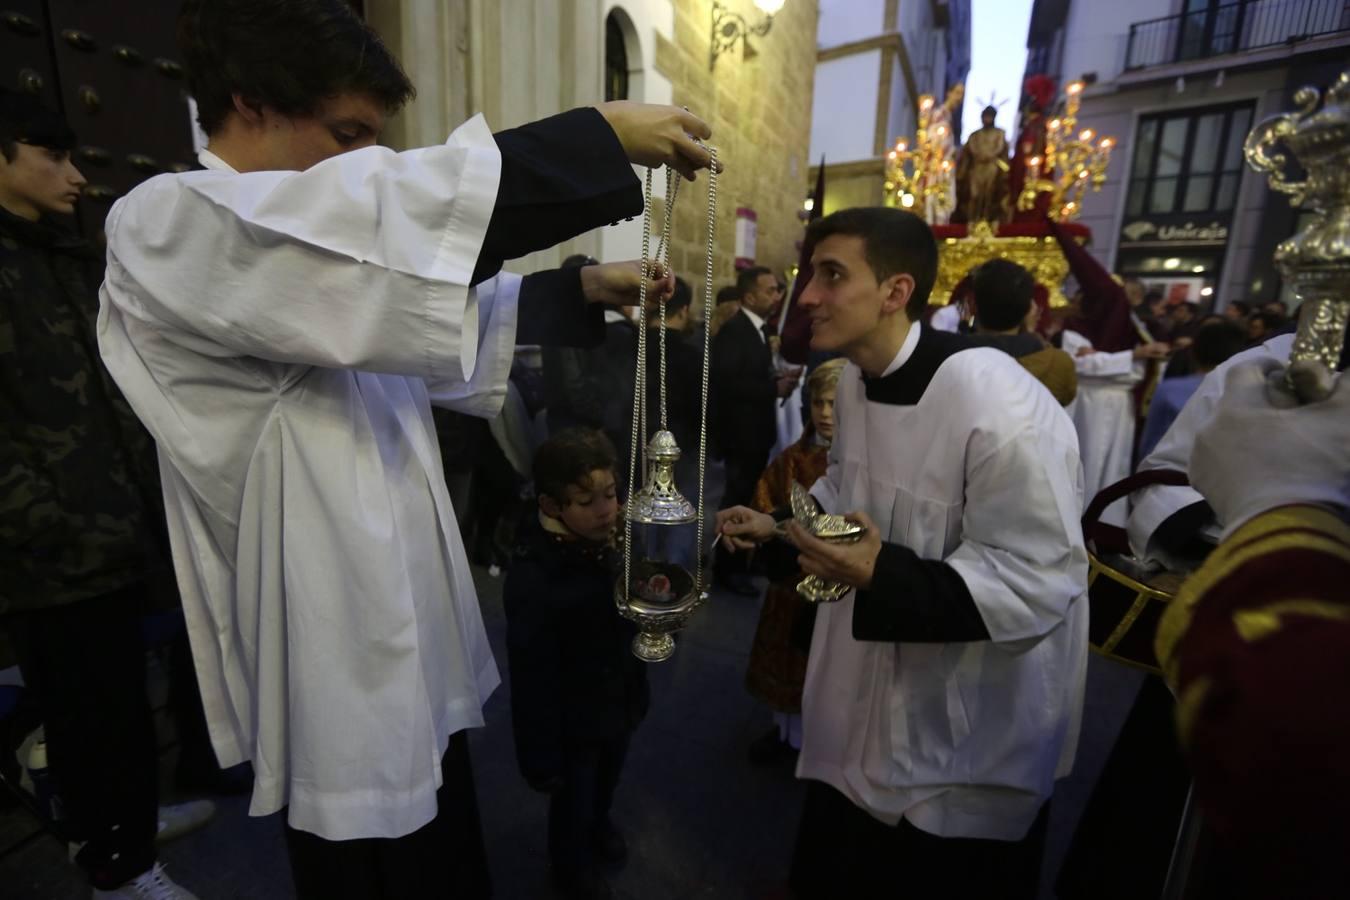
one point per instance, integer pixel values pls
(1180, 533)
(916, 600)
(553, 312)
(561, 177)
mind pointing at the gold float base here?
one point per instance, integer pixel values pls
(1040, 255)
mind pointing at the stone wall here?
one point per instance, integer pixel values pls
(518, 60)
(760, 113)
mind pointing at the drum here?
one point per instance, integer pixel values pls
(1125, 600)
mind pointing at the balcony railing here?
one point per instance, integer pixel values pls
(1232, 28)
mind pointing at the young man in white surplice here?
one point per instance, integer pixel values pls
(943, 694)
(282, 322)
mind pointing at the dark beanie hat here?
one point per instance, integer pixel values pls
(25, 119)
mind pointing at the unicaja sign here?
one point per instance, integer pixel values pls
(1143, 231)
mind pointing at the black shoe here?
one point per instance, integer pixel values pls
(769, 749)
(610, 846)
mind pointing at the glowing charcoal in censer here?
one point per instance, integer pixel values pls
(657, 589)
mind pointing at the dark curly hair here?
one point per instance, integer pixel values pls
(568, 458)
(287, 54)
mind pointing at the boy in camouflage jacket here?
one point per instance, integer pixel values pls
(79, 501)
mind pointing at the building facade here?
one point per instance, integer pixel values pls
(1180, 83)
(519, 60)
(875, 58)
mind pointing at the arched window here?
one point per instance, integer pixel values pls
(616, 58)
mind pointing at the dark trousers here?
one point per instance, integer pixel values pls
(579, 810)
(743, 472)
(443, 859)
(196, 757)
(85, 665)
(844, 852)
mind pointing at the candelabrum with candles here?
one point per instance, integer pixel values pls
(921, 176)
(1073, 162)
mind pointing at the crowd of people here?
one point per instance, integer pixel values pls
(229, 409)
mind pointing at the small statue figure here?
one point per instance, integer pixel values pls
(982, 174)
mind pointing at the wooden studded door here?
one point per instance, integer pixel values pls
(112, 69)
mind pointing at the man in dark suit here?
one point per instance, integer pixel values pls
(745, 390)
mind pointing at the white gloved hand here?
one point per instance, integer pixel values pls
(1255, 455)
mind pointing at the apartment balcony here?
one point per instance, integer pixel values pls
(1273, 28)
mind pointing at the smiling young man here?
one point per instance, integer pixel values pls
(282, 322)
(943, 694)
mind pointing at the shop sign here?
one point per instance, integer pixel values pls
(1166, 231)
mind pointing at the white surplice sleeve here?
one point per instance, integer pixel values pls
(1097, 364)
(483, 393)
(1154, 505)
(1021, 554)
(363, 261)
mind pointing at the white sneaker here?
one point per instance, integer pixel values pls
(152, 885)
(178, 819)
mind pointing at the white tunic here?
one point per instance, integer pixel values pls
(961, 739)
(947, 318)
(1103, 415)
(282, 335)
(1155, 505)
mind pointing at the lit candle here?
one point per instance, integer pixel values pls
(1086, 134)
(1074, 88)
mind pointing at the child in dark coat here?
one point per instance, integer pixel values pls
(577, 691)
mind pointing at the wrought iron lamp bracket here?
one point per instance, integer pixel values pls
(730, 28)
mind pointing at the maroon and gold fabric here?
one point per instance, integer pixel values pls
(777, 668)
(1256, 647)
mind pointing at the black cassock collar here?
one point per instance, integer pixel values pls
(906, 385)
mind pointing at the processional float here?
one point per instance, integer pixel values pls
(1053, 167)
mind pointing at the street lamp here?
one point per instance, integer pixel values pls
(730, 28)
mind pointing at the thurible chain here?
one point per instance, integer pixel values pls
(708, 306)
